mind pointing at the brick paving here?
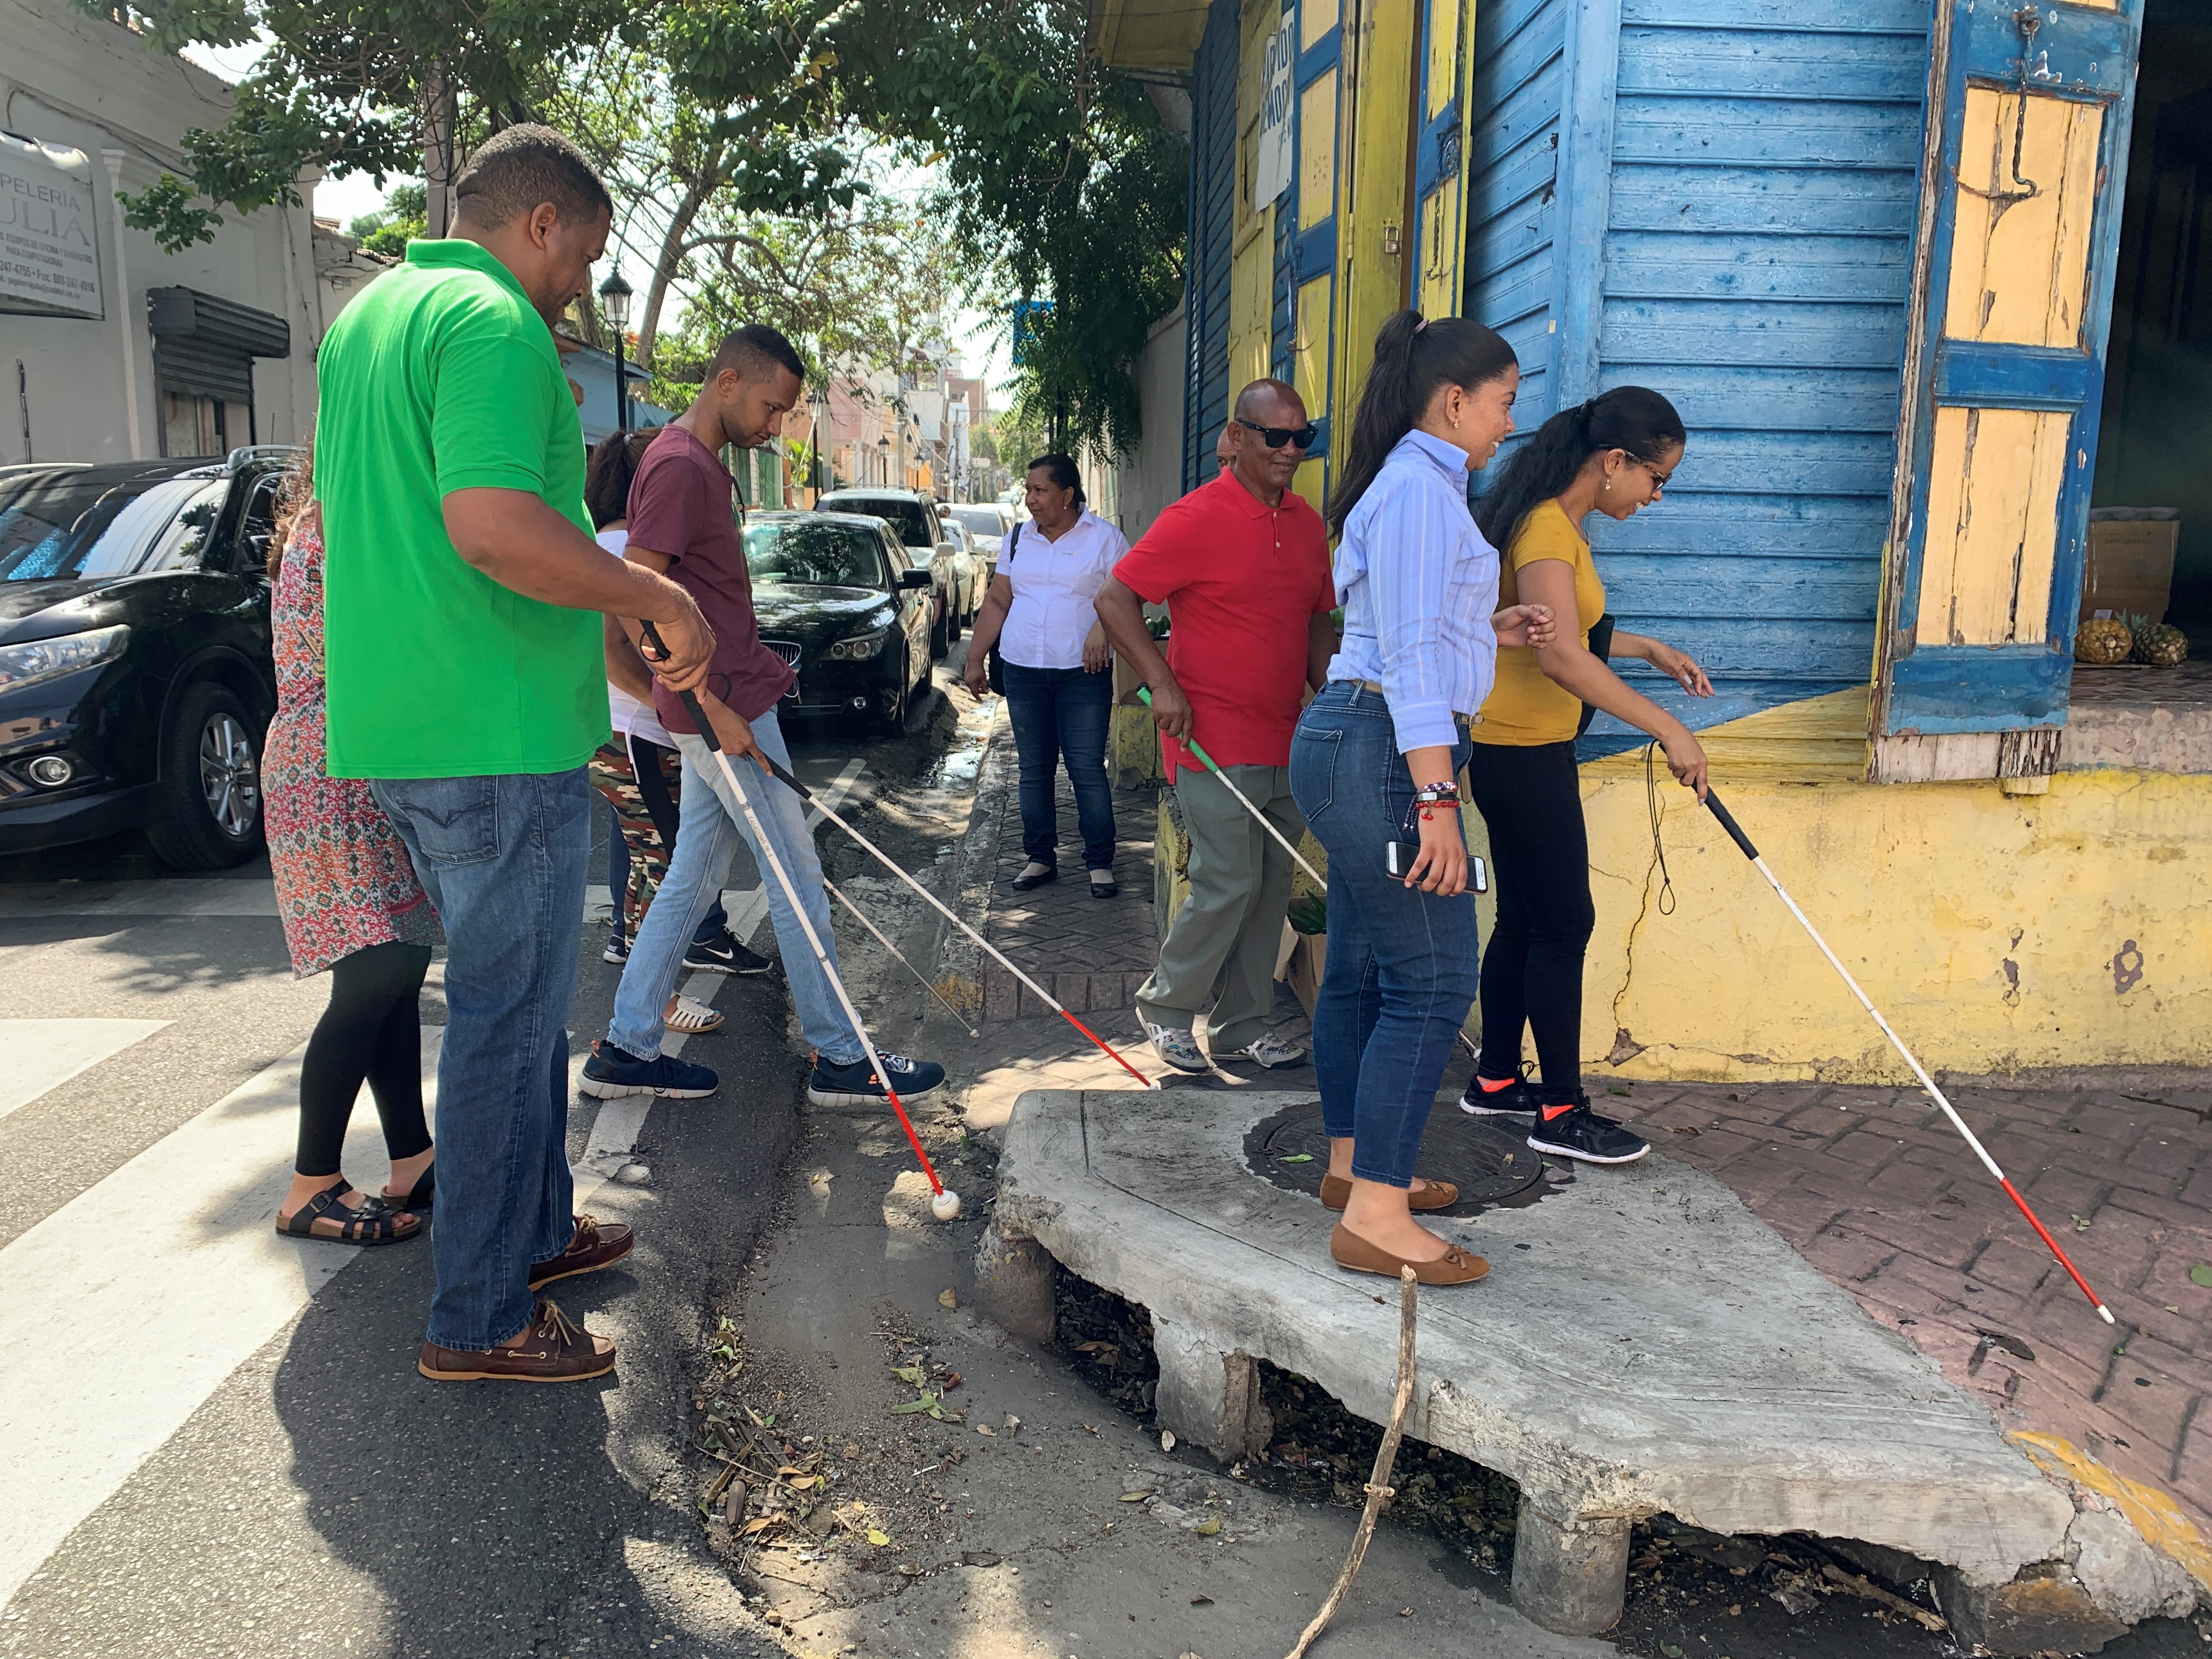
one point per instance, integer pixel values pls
(1874, 1188)
(1871, 1185)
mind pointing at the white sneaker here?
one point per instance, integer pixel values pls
(1271, 1051)
(1177, 1048)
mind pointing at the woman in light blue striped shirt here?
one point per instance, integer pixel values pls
(1374, 767)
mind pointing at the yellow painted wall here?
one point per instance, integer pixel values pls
(1996, 933)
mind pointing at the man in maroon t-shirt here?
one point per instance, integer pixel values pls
(682, 523)
(1243, 566)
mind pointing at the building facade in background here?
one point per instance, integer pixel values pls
(111, 349)
(1922, 277)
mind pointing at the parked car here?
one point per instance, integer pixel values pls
(840, 601)
(135, 681)
(913, 516)
(967, 564)
(986, 527)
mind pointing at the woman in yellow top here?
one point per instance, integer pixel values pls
(1613, 455)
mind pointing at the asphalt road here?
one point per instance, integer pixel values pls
(215, 1441)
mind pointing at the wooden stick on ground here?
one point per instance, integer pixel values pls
(1379, 1489)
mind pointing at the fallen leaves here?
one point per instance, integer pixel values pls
(945, 1298)
(2201, 1275)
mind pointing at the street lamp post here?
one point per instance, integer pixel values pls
(884, 446)
(614, 306)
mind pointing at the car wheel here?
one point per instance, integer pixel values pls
(940, 633)
(210, 813)
(893, 718)
(955, 619)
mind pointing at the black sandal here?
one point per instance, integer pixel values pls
(422, 1196)
(373, 1222)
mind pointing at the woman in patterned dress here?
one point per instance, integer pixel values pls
(350, 904)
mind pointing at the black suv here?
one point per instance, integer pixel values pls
(135, 682)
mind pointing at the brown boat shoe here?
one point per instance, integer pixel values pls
(551, 1350)
(1336, 1193)
(1453, 1266)
(597, 1244)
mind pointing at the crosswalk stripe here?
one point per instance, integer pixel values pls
(36, 1055)
(129, 1304)
(118, 1333)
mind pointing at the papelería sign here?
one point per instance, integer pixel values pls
(49, 257)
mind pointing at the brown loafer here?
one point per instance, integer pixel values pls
(1453, 1266)
(552, 1350)
(596, 1245)
(1336, 1193)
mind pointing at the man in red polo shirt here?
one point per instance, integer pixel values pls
(1243, 566)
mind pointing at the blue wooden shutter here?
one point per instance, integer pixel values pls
(2021, 185)
(1440, 156)
(1211, 240)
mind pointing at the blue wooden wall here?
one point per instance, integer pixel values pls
(1512, 211)
(1212, 231)
(1736, 198)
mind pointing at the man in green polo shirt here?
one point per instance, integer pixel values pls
(466, 683)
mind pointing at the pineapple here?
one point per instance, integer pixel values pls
(2103, 642)
(2161, 645)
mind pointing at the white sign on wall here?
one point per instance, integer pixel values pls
(49, 257)
(1271, 170)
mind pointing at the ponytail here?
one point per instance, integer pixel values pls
(1413, 358)
(609, 472)
(1631, 418)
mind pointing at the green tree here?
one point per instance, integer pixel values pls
(401, 219)
(405, 86)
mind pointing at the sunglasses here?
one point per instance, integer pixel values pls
(1275, 437)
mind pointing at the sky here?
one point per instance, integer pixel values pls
(980, 340)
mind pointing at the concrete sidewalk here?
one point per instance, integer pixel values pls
(1868, 1184)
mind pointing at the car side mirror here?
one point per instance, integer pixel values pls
(946, 547)
(916, 579)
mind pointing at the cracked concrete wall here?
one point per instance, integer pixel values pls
(1998, 933)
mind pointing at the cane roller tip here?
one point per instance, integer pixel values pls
(2106, 1314)
(945, 1206)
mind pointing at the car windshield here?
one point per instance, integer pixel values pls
(813, 554)
(907, 518)
(65, 525)
(980, 520)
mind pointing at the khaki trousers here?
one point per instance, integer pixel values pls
(1222, 945)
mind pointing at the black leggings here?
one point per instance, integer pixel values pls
(372, 1032)
(1532, 974)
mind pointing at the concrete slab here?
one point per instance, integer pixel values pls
(1643, 1344)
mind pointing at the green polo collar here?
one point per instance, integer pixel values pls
(448, 252)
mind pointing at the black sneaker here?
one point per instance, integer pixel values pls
(611, 1073)
(617, 950)
(1580, 1134)
(1516, 1099)
(725, 955)
(856, 1084)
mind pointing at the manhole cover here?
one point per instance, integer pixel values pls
(1492, 1167)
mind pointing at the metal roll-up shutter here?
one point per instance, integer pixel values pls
(205, 345)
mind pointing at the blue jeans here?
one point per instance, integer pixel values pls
(1058, 711)
(660, 805)
(1401, 963)
(504, 860)
(705, 840)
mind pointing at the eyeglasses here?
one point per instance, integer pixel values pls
(1275, 437)
(1659, 480)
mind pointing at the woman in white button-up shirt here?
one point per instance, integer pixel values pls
(1059, 689)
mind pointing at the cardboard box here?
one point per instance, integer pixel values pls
(2128, 571)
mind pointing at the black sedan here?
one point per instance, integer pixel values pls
(912, 519)
(838, 600)
(136, 682)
